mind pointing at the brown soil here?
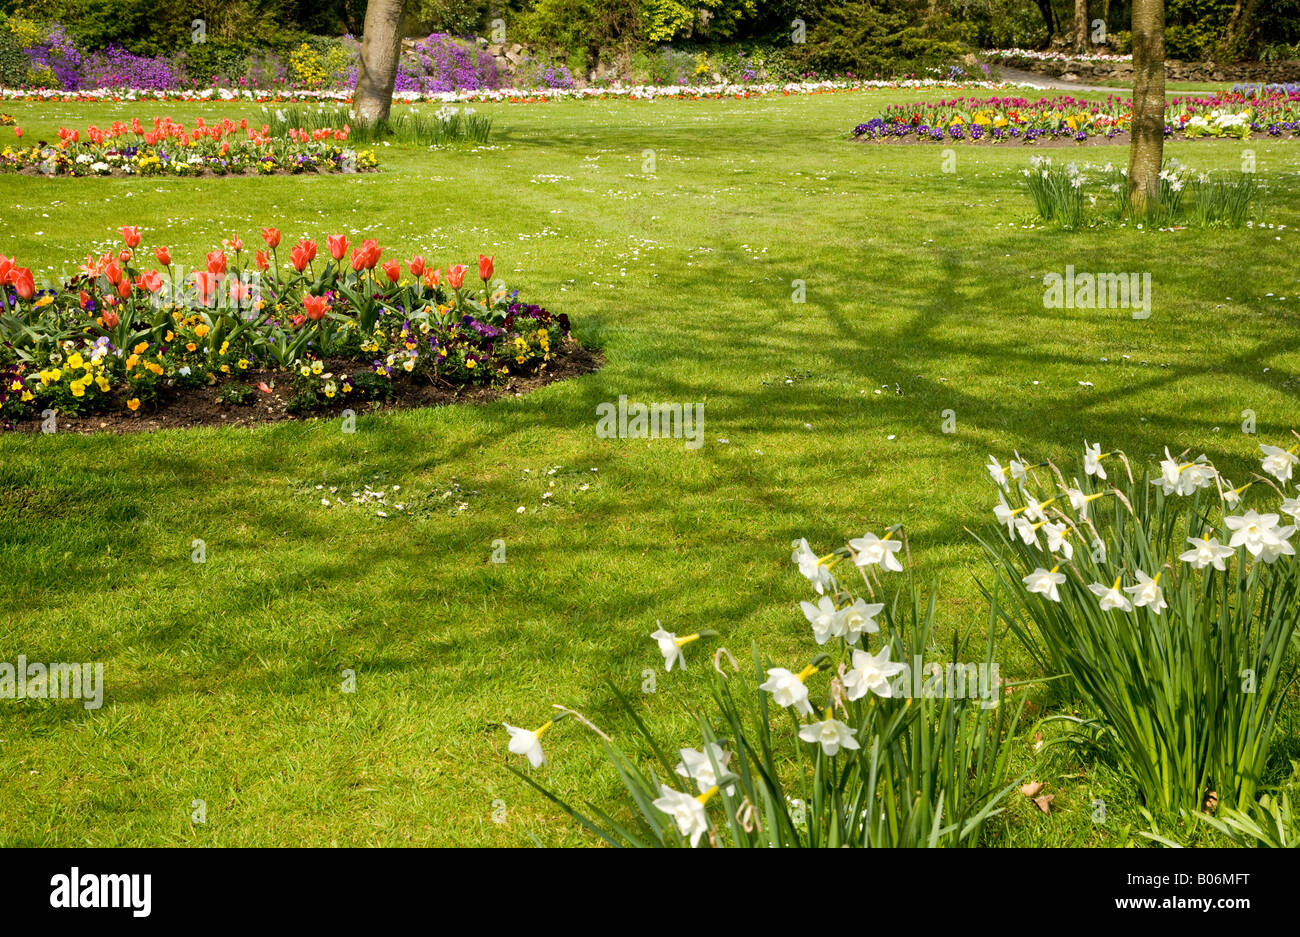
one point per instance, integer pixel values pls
(1120, 139)
(200, 406)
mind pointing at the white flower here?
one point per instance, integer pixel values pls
(1092, 456)
(1005, 515)
(1056, 542)
(787, 689)
(824, 618)
(670, 646)
(871, 550)
(1278, 462)
(871, 674)
(1078, 501)
(1147, 592)
(997, 472)
(1204, 551)
(1260, 535)
(1017, 468)
(523, 742)
(1292, 506)
(1044, 582)
(686, 811)
(811, 567)
(1028, 532)
(1033, 510)
(831, 734)
(859, 618)
(1111, 598)
(696, 765)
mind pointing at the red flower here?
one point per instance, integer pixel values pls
(18, 132)
(262, 261)
(315, 306)
(164, 256)
(297, 321)
(338, 245)
(271, 236)
(124, 287)
(216, 262)
(83, 296)
(110, 319)
(416, 265)
(131, 235)
(456, 275)
(24, 285)
(112, 271)
(151, 281)
(6, 264)
(431, 277)
(207, 284)
(485, 267)
(236, 243)
(393, 270)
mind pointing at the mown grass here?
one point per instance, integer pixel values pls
(224, 679)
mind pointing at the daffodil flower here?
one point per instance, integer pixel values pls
(787, 688)
(686, 811)
(523, 742)
(1279, 462)
(813, 568)
(1147, 592)
(1028, 532)
(1044, 582)
(831, 734)
(824, 618)
(870, 550)
(1291, 506)
(998, 473)
(1112, 597)
(870, 674)
(1261, 535)
(670, 646)
(1079, 501)
(1092, 456)
(1206, 550)
(858, 619)
(698, 767)
(1056, 542)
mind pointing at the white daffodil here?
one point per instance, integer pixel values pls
(858, 619)
(1183, 478)
(1033, 509)
(787, 688)
(1279, 462)
(1056, 542)
(1028, 532)
(523, 742)
(697, 766)
(812, 568)
(686, 811)
(1092, 456)
(1147, 592)
(1206, 550)
(1261, 535)
(1291, 506)
(831, 734)
(870, 674)
(1017, 468)
(997, 473)
(824, 618)
(871, 550)
(1006, 514)
(1044, 582)
(1112, 597)
(1079, 501)
(670, 646)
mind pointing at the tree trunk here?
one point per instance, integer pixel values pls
(1238, 24)
(1147, 143)
(381, 46)
(1049, 18)
(1081, 25)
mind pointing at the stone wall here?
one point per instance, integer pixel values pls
(1267, 72)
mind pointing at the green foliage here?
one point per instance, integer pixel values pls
(13, 63)
(879, 39)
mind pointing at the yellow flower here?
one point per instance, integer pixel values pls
(141, 348)
(169, 336)
(201, 330)
(132, 361)
(155, 368)
(78, 389)
(103, 383)
(76, 360)
(190, 346)
(470, 363)
(133, 403)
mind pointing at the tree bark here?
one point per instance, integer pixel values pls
(381, 46)
(1147, 140)
(1049, 18)
(1081, 25)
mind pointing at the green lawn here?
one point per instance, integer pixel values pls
(224, 678)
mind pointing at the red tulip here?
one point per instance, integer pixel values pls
(124, 287)
(151, 281)
(110, 319)
(485, 267)
(236, 243)
(308, 248)
(18, 132)
(6, 264)
(23, 283)
(239, 291)
(164, 256)
(131, 235)
(112, 271)
(271, 236)
(431, 277)
(393, 270)
(416, 265)
(298, 257)
(297, 321)
(83, 296)
(338, 245)
(456, 275)
(315, 306)
(124, 255)
(262, 261)
(217, 262)
(207, 283)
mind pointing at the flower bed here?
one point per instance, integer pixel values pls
(1260, 112)
(169, 148)
(134, 333)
